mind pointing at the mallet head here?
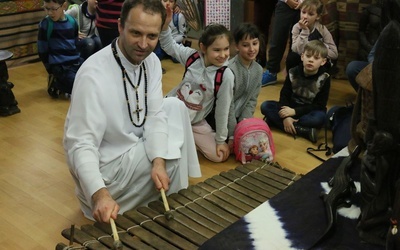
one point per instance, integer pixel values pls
(117, 245)
(169, 215)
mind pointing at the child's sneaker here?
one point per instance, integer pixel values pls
(268, 78)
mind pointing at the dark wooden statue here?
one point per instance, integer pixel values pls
(380, 170)
(8, 104)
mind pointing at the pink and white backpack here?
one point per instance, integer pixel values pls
(253, 141)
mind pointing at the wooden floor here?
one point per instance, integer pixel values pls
(37, 192)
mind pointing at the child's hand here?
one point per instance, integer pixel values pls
(303, 23)
(223, 151)
(288, 125)
(286, 111)
(177, 9)
(81, 35)
(169, 17)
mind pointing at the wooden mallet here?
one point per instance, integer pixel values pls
(117, 245)
(168, 214)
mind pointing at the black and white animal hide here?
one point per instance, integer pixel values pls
(296, 218)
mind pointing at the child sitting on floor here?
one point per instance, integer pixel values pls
(199, 89)
(85, 15)
(302, 105)
(248, 74)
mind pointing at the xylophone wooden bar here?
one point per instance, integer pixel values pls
(200, 210)
(175, 226)
(208, 205)
(221, 203)
(190, 223)
(274, 185)
(232, 192)
(146, 236)
(241, 189)
(202, 220)
(84, 239)
(102, 231)
(267, 194)
(205, 188)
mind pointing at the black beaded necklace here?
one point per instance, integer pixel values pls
(136, 88)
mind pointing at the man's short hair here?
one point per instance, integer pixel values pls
(149, 6)
(316, 47)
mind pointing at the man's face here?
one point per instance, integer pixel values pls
(139, 35)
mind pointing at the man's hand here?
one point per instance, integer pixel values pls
(223, 150)
(104, 206)
(159, 174)
(288, 125)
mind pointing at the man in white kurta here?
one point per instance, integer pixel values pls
(123, 147)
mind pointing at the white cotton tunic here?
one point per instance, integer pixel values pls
(104, 148)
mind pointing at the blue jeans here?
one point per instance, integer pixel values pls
(161, 54)
(88, 46)
(284, 19)
(352, 70)
(65, 75)
(314, 119)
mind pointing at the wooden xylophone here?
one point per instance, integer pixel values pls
(200, 211)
